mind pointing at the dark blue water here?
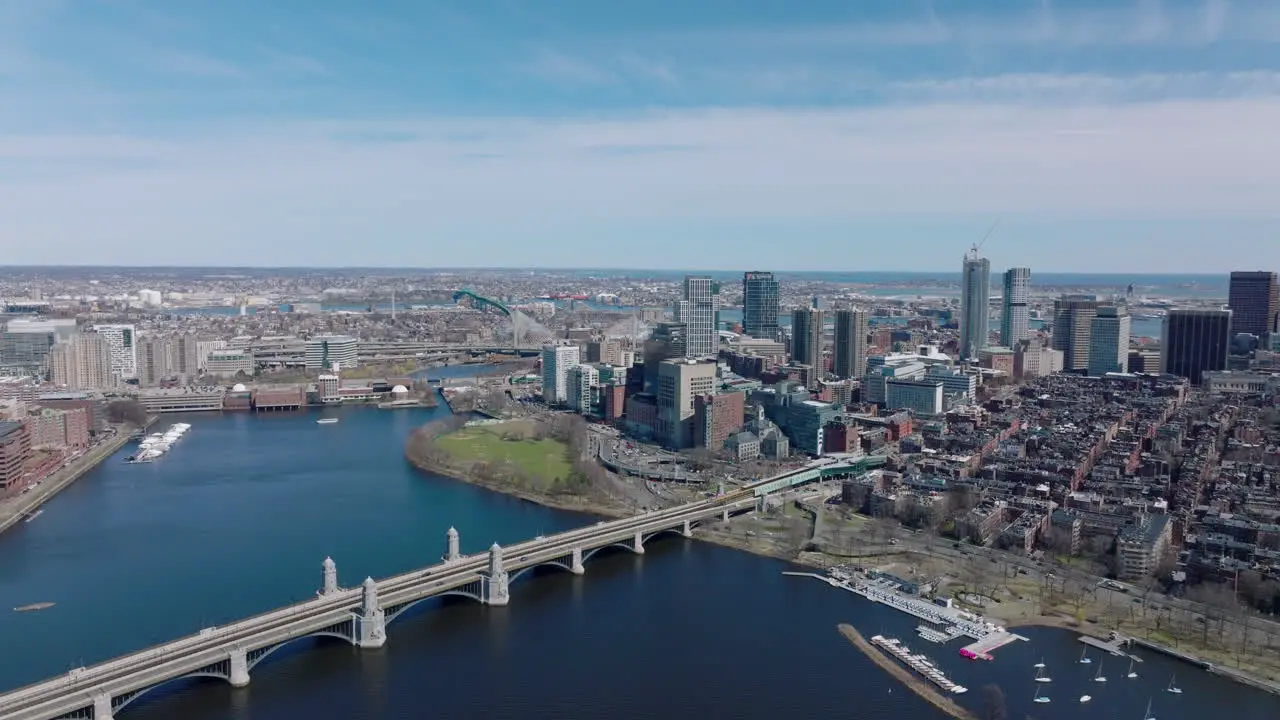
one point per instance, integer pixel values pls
(237, 518)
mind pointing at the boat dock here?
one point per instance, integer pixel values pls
(944, 623)
(919, 663)
(1115, 646)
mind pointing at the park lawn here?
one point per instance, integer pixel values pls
(544, 461)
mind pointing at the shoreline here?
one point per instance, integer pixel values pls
(13, 510)
(714, 536)
(913, 682)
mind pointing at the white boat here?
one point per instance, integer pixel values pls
(1147, 715)
(1131, 674)
(1085, 698)
(1173, 688)
(1098, 677)
(326, 421)
(1039, 698)
(1039, 664)
(1041, 677)
(1084, 657)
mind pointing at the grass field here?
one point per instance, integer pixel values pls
(538, 463)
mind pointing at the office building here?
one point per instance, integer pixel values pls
(580, 388)
(716, 417)
(975, 301)
(557, 358)
(922, 396)
(850, 344)
(1072, 327)
(1254, 299)
(679, 382)
(25, 345)
(1195, 341)
(1032, 359)
(666, 342)
(700, 313)
(1015, 318)
(1109, 341)
(332, 352)
(124, 351)
(229, 363)
(760, 305)
(806, 338)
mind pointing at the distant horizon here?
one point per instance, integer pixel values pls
(924, 274)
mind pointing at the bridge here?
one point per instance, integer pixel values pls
(361, 615)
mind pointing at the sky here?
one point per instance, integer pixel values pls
(1101, 135)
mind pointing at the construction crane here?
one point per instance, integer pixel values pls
(973, 252)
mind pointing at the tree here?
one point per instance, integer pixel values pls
(128, 411)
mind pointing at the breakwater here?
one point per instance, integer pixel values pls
(913, 682)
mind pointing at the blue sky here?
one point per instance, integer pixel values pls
(861, 135)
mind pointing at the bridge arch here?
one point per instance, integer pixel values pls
(254, 658)
(480, 302)
(457, 592)
(117, 706)
(625, 545)
(678, 530)
(556, 563)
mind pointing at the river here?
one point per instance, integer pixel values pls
(237, 518)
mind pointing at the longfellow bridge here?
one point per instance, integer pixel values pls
(361, 615)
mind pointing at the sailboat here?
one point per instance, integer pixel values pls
(1084, 657)
(1131, 673)
(1041, 677)
(1098, 676)
(1039, 664)
(1147, 715)
(1085, 698)
(1173, 688)
(1039, 698)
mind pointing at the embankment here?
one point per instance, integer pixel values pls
(13, 510)
(913, 682)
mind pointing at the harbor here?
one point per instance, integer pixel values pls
(921, 664)
(943, 621)
(156, 445)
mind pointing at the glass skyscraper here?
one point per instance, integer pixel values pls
(699, 311)
(1015, 320)
(760, 305)
(1195, 340)
(975, 300)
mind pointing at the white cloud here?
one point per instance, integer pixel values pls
(559, 68)
(294, 187)
(1090, 87)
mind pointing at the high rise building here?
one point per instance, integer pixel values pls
(679, 382)
(580, 387)
(850, 344)
(155, 360)
(83, 363)
(1072, 327)
(760, 305)
(323, 352)
(699, 312)
(1254, 299)
(557, 358)
(975, 300)
(806, 338)
(25, 345)
(1194, 341)
(1109, 341)
(124, 351)
(1015, 320)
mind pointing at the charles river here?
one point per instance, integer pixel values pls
(237, 518)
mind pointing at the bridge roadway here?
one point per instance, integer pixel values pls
(360, 615)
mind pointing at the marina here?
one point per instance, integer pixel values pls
(155, 445)
(919, 663)
(944, 622)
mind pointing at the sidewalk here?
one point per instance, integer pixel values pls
(13, 509)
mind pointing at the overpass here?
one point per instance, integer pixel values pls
(361, 615)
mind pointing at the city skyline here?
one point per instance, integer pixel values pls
(424, 132)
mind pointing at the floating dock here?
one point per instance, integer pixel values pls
(919, 663)
(1115, 646)
(944, 623)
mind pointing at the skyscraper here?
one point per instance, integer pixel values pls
(1109, 341)
(1073, 327)
(760, 305)
(1195, 340)
(557, 359)
(806, 338)
(700, 309)
(1254, 299)
(850, 344)
(1015, 320)
(975, 298)
(124, 354)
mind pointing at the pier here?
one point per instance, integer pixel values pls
(1115, 646)
(919, 663)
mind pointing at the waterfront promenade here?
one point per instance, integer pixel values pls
(14, 509)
